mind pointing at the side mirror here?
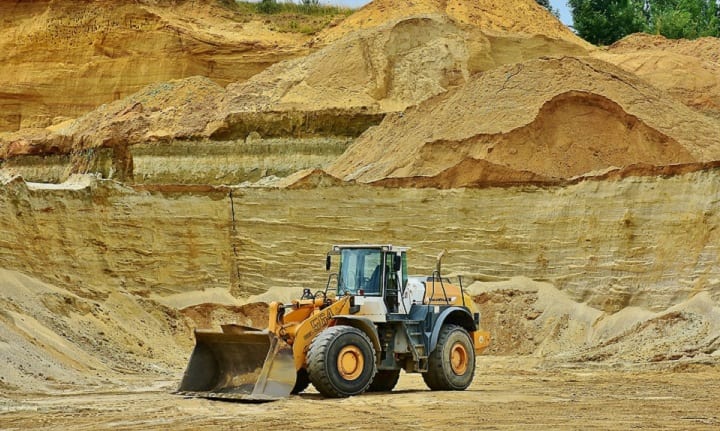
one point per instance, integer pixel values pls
(328, 261)
(397, 263)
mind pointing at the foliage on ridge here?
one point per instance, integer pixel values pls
(307, 17)
(605, 22)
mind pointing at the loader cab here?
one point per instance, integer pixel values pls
(374, 274)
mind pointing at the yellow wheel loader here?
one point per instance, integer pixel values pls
(371, 321)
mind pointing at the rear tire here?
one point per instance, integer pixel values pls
(302, 381)
(341, 362)
(451, 366)
(384, 381)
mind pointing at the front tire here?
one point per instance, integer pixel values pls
(451, 366)
(341, 362)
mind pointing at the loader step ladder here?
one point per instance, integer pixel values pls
(416, 343)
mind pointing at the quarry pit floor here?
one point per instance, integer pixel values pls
(508, 393)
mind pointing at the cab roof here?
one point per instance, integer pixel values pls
(383, 247)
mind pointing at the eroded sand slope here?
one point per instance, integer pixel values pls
(342, 89)
(60, 59)
(687, 69)
(585, 117)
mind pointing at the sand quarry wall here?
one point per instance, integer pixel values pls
(94, 238)
(188, 161)
(92, 277)
(647, 242)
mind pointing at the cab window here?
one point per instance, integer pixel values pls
(360, 272)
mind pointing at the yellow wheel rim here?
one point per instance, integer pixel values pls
(350, 362)
(459, 359)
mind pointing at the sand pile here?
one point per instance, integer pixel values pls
(211, 316)
(529, 317)
(704, 48)
(578, 117)
(687, 69)
(307, 179)
(52, 339)
(519, 17)
(174, 109)
(383, 69)
(341, 89)
(376, 71)
(394, 54)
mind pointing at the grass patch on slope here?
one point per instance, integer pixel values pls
(289, 17)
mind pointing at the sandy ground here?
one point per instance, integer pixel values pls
(508, 393)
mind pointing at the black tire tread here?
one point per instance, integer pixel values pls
(302, 381)
(317, 368)
(436, 377)
(384, 381)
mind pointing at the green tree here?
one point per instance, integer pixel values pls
(268, 6)
(603, 22)
(545, 4)
(688, 19)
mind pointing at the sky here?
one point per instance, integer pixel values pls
(561, 5)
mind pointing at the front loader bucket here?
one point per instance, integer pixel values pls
(239, 365)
